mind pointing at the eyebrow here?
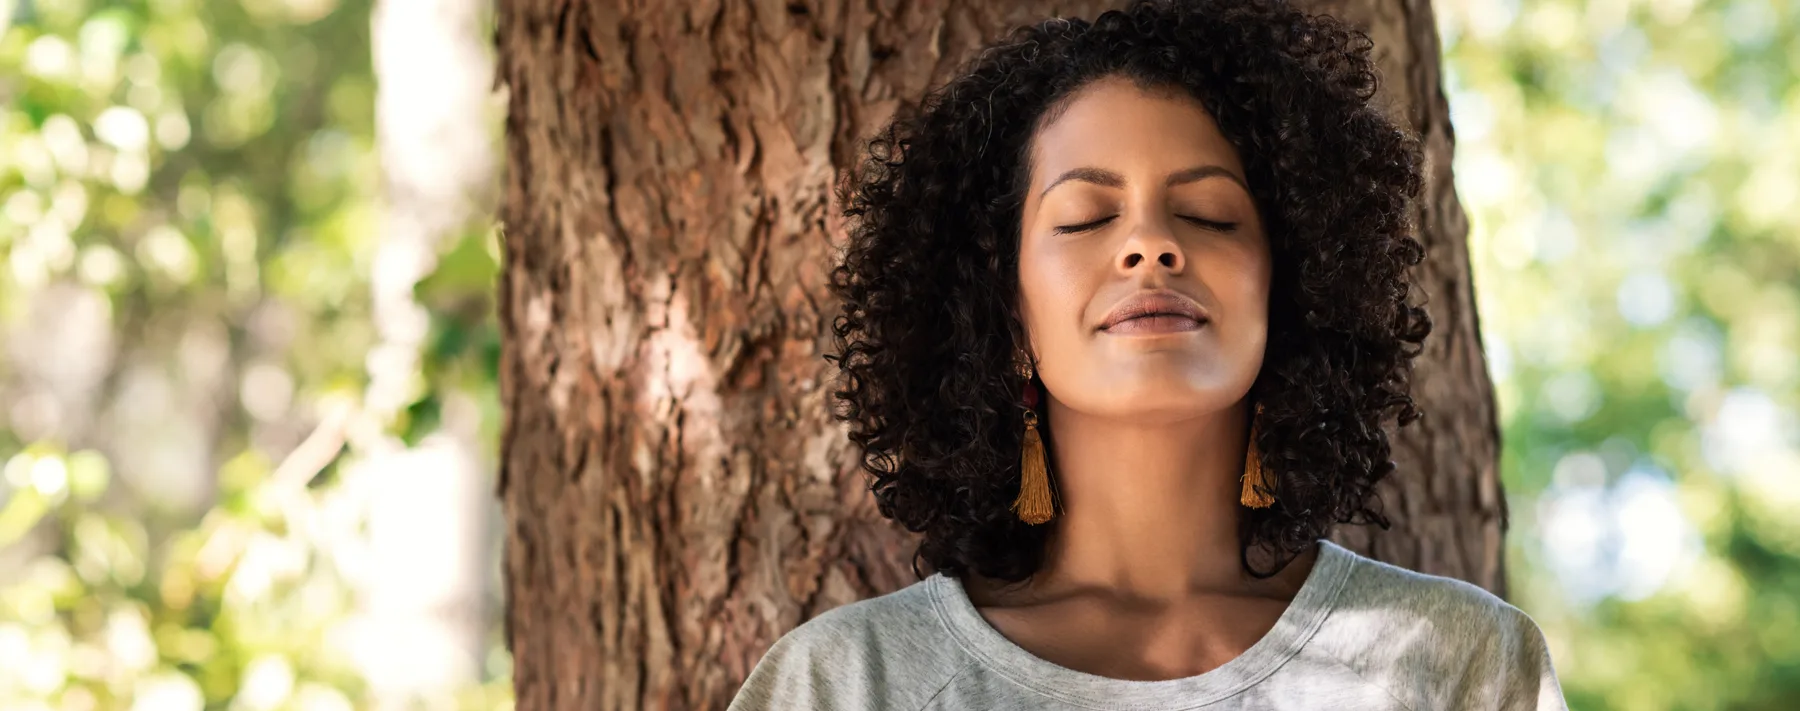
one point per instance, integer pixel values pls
(1102, 176)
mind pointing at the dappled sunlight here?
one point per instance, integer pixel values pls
(245, 410)
(249, 363)
(1630, 172)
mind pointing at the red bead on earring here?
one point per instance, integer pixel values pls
(1031, 398)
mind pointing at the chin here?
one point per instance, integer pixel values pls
(1162, 405)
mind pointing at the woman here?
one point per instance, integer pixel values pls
(1124, 308)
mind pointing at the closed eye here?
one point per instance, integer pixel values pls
(1082, 227)
(1209, 224)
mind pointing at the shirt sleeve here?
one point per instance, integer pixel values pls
(1511, 670)
(880, 654)
(783, 679)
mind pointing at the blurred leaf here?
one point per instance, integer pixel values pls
(20, 513)
(422, 418)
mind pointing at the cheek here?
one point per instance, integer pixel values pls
(1052, 282)
(1232, 277)
(1240, 280)
(1248, 284)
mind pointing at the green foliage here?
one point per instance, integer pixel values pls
(199, 178)
(195, 180)
(463, 349)
(1630, 169)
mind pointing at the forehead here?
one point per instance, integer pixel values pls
(1114, 124)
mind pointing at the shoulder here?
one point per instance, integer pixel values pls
(867, 627)
(885, 652)
(1439, 602)
(1438, 642)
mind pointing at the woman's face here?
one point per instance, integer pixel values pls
(1134, 191)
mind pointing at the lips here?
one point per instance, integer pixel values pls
(1154, 311)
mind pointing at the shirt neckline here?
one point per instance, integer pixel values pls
(1303, 616)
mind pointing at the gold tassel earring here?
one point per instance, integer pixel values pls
(1034, 505)
(1258, 482)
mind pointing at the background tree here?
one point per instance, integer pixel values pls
(1627, 165)
(676, 494)
(191, 201)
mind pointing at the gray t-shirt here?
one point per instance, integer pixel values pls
(1359, 635)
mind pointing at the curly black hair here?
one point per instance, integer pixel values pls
(928, 281)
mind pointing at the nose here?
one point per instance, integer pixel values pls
(1154, 245)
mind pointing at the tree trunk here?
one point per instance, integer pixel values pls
(1445, 501)
(676, 494)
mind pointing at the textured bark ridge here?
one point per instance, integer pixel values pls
(1445, 501)
(676, 495)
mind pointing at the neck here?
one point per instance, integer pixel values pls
(1150, 512)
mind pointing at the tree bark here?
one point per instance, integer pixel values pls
(676, 494)
(1445, 500)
